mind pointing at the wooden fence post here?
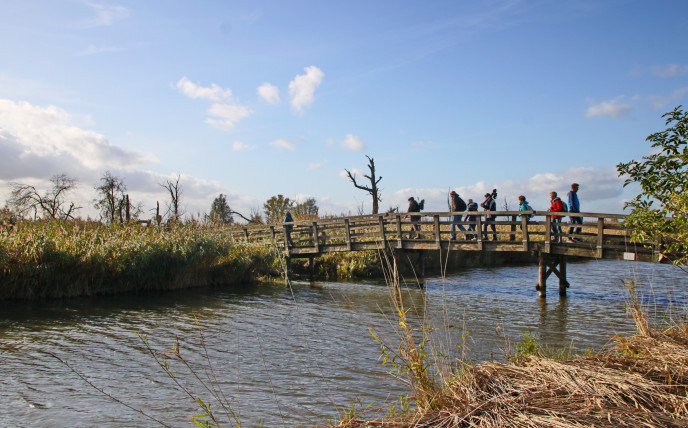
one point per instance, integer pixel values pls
(512, 236)
(316, 241)
(381, 223)
(524, 228)
(479, 230)
(347, 230)
(600, 237)
(399, 236)
(436, 226)
(548, 233)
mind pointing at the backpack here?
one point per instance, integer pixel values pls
(422, 204)
(564, 207)
(529, 208)
(461, 205)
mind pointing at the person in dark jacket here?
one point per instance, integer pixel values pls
(457, 205)
(288, 219)
(414, 207)
(471, 206)
(574, 207)
(489, 204)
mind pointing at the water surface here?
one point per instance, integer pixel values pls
(289, 357)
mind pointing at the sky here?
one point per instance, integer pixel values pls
(253, 99)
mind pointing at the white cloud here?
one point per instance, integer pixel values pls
(352, 142)
(613, 109)
(105, 14)
(672, 70)
(303, 87)
(269, 93)
(34, 136)
(238, 146)
(228, 115)
(281, 143)
(316, 165)
(212, 93)
(660, 102)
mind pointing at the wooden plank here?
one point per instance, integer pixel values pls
(436, 229)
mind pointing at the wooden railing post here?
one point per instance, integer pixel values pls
(347, 230)
(381, 223)
(399, 236)
(436, 226)
(512, 237)
(246, 234)
(316, 241)
(524, 228)
(273, 235)
(600, 237)
(479, 230)
(548, 233)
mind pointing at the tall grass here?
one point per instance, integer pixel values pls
(60, 259)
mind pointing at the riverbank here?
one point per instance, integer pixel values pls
(58, 259)
(55, 259)
(639, 381)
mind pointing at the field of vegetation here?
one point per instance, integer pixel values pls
(54, 258)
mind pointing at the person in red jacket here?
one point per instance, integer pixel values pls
(556, 206)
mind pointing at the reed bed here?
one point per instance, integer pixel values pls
(638, 381)
(49, 259)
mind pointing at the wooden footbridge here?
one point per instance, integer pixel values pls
(601, 236)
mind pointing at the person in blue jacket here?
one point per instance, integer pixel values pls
(574, 207)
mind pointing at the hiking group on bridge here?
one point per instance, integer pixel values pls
(458, 205)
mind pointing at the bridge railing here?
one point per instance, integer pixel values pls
(601, 231)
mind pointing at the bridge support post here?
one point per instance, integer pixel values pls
(541, 286)
(311, 267)
(548, 264)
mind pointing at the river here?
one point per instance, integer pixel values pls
(289, 357)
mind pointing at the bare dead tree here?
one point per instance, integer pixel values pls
(174, 188)
(25, 198)
(372, 189)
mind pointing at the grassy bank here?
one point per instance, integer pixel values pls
(49, 259)
(641, 380)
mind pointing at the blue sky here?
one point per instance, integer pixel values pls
(253, 99)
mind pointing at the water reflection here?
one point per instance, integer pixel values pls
(289, 357)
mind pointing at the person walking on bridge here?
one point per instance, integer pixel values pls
(489, 204)
(414, 207)
(457, 205)
(288, 220)
(471, 206)
(556, 206)
(574, 207)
